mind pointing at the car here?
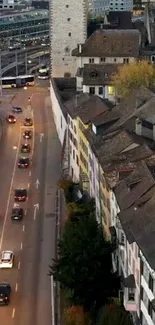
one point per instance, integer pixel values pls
(23, 162)
(5, 292)
(20, 195)
(11, 119)
(6, 260)
(27, 134)
(25, 148)
(17, 213)
(28, 121)
(17, 109)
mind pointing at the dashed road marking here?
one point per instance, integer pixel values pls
(25, 212)
(19, 265)
(28, 185)
(16, 287)
(13, 313)
(23, 227)
(21, 246)
(30, 173)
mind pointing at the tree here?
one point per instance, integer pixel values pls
(84, 264)
(75, 315)
(114, 314)
(133, 75)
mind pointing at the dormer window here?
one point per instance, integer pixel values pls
(94, 74)
(91, 60)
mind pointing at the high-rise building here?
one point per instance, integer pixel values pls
(68, 27)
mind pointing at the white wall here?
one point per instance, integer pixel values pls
(96, 60)
(59, 118)
(105, 92)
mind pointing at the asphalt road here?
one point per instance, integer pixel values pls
(30, 238)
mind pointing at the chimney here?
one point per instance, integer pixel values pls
(80, 48)
(138, 126)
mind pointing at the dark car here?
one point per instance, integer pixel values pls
(25, 148)
(17, 109)
(17, 214)
(20, 195)
(27, 134)
(11, 119)
(28, 121)
(5, 292)
(23, 162)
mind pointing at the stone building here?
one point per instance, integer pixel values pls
(68, 27)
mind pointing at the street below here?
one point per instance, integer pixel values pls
(33, 239)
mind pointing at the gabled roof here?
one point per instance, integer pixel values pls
(111, 43)
(98, 74)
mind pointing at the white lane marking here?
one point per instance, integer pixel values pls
(16, 287)
(30, 173)
(37, 183)
(11, 185)
(23, 227)
(36, 207)
(25, 212)
(28, 186)
(21, 246)
(13, 313)
(19, 265)
(32, 127)
(41, 137)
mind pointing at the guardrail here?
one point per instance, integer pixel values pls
(28, 49)
(13, 64)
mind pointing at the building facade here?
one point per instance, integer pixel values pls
(68, 27)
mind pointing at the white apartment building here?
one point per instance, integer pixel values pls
(121, 5)
(68, 27)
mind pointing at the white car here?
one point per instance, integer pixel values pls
(6, 260)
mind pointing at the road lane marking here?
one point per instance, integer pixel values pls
(16, 287)
(13, 313)
(37, 183)
(25, 212)
(21, 246)
(19, 265)
(30, 173)
(23, 227)
(10, 190)
(36, 207)
(28, 185)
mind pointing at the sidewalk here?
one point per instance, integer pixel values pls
(53, 173)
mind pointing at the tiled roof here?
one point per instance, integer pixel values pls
(99, 74)
(111, 43)
(86, 106)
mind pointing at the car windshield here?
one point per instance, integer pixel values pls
(15, 211)
(6, 257)
(25, 145)
(20, 192)
(23, 160)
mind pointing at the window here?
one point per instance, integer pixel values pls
(69, 34)
(125, 60)
(74, 129)
(91, 60)
(68, 19)
(122, 239)
(100, 91)
(151, 282)
(92, 90)
(77, 160)
(131, 294)
(150, 309)
(141, 266)
(102, 60)
(141, 292)
(73, 154)
(67, 6)
(115, 59)
(71, 124)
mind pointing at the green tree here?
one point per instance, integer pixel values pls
(84, 264)
(133, 75)
(114, 314)
(75, 315)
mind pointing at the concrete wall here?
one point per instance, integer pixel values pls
(58, 111)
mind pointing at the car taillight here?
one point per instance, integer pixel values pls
(6, 298)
